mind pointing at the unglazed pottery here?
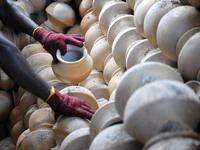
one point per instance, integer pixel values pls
(111, 10)
(123, 41)
(40, 61)
(153, 16)
(115, 137)
(41, 116)
(6, 83)
(33, 48)
(143, 73)
(26, 101)
(93, 33)
(131, 3)
(170, 102)
(183, 140)
(78, 139)
(7, 144)
(188, 60)
(186, 2)
(183, 39)
(119, 24)
(140, 13)
(15, 115)
(6, 105)
(47, 74)
(75, 66)
(87, 21)
(183, 17)
(60, 15)
(75, 29)
(81, 93)
(20, 139)
(100, 91)
(84, 6)
(195, 85)
(101, 48)
(104, 117)
(109, 68)
(40, 139)
(66, 125)
(194, 3)
(57, 84)
(17, 130)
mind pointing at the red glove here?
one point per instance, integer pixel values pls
(69, 105)
(52, 41)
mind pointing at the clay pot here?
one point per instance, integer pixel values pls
(47, 74)
(41, 116)
(186, 2)
(123, 41)
(143, 73)
(195, 85)
(183, 39)
(111, 10)
(97, 6)
(56, 20)
(154, 15)
(29, 112)
(6, 83)
(188, 59)
(112, 96)
(104, 117)
(84, 6)
(109, 69)
(178, 140)
(75, 29)
(7, 144)
(40, 18)
(140, 13)
(87, 21)
(24, 8)
(57, 84)
(66, 125)
(170, 102)
(104, 140)
(183, 17)
(119, 24)
(131, 3)
(78, 139)
(15, 115)
(93, 33)
(74, 67)
(40, 139)
(17, 130)
(32, 49)
(20, 139)
(115, 80)
(6, 105)
(81, 93)
(143, 51)
(102, 102)
(101, 48)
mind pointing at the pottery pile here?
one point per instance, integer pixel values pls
(138, 69)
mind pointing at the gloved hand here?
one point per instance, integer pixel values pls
(69, 105)
(52, 41)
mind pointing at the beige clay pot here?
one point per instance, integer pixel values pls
(186, 2)
(66, 125)
(131, 3)
(195, 85)
(6, 105)
(20, 139)
(15, 115)
(57, 84)
(7, 144)
(101, 48)
(84, 6)
(183, 17)
(183, 140)
(40, 139)
(75, 66)
(47, 74)
(111, 10)
(188, 60)
(6, 83)
(119, 24)
(194, 3)
(140, 13)
(170, 102)
(82, 93)
(42, 116)
(103, 118)
(154, 15)
(87, 21)
(123, 41)
(75, 29)
(78, 139)
(143, 73)
(60, 16)
(104, 140)
(93, 33)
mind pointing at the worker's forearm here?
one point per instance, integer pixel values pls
(12, 16)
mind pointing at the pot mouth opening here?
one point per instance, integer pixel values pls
(73, 54)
